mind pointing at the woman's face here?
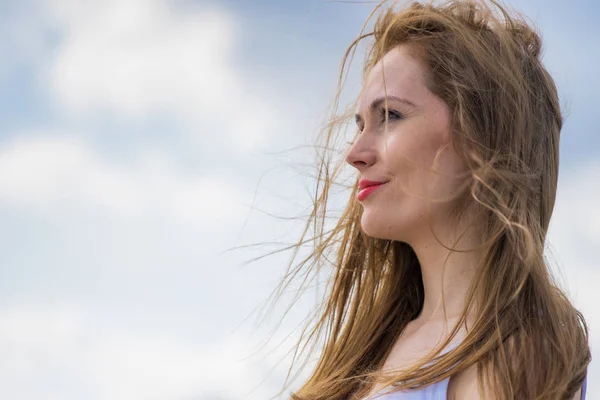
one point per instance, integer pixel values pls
(418, 127)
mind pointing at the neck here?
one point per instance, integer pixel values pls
(446, 275)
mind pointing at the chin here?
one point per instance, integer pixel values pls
(375, 227)
(380, 227)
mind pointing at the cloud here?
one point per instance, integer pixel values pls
(575, 225)
(574, 233)
(574, 239)
(139, 59)
(55, 172)
(68, 353)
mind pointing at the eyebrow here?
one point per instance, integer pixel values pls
(376, 103)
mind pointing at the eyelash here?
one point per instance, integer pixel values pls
(393, 115)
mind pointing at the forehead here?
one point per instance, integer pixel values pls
(399, 73)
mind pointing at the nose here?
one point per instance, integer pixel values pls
(361, 155)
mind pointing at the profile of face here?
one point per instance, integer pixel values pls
(404, 154)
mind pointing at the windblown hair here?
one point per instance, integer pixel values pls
(527, 339)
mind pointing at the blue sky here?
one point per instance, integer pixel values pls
(134, 136)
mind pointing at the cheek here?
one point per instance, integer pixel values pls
(412, 152)
(415, 157)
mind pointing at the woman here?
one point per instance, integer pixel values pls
(440, 289)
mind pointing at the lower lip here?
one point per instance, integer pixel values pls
(366, 191)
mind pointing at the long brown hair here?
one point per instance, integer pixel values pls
(527, 339)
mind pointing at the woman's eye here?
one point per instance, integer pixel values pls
(391, 114)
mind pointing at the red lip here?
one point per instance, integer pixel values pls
(367, 190)
(363, 183)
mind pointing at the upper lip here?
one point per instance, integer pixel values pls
(363, 183)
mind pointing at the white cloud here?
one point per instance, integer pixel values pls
(139, 58)
(129, 367)
(575, 238)
(22, 327)
(574, 229)
(40, 342)
(53, 172)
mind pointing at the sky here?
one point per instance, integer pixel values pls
(141, 140)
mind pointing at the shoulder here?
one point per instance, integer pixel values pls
(465, 386)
